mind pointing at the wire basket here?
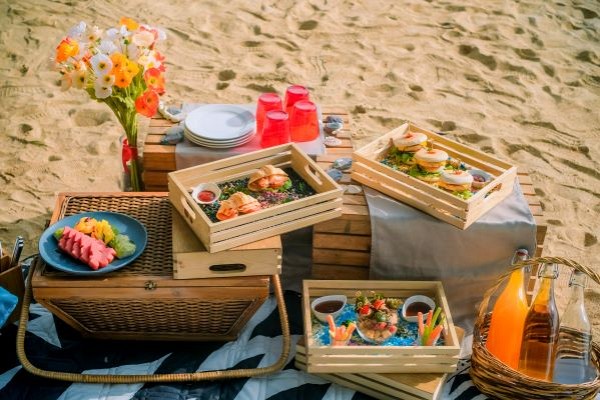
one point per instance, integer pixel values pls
(494, 378)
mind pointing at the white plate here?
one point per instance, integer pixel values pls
(218, 145)
(196, 138)
(220, 122)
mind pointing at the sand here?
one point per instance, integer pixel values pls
(520, 80)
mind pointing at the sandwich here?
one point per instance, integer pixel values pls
(458, 182)
(405, 146)
(429, 164)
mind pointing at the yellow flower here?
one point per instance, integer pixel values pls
(68, 47)
(118, 62)
(132, 68)
(130, 24)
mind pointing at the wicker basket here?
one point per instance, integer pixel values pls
(495, 379)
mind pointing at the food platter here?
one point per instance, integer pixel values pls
(51, 254)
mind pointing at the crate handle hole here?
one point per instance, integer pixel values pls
(227, 268)
(313, 173)
(188, 213)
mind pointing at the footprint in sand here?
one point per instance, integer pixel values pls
(474, 53)
(589, 239)
(308, 25)
(226, 75)
(91, 117)
(527, 54)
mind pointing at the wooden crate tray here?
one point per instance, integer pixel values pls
(382, 386)
(191, 259)
(439, 203)
(373, 358)
(243, 229)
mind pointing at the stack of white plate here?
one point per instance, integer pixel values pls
(219, 126)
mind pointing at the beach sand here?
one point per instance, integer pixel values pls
(520, 80)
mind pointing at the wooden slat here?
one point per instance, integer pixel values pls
(341, 257)
(325, 271)
(342, 242)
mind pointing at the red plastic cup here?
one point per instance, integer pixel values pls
(276, 130)
(266, 102)
(293, 94)
(304, 123)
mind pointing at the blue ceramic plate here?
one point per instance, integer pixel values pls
(126, 225)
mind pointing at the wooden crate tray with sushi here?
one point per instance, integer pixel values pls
(242, 199)
(450, 181)
(374, 327)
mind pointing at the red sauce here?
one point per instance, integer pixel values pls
(415, 308)
(206, 196)
(328, 307)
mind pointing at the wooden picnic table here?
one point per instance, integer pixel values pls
(342, 246)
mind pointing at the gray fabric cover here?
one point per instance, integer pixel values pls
(408, 244)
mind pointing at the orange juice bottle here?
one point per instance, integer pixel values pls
(540, 334)
(508, 317)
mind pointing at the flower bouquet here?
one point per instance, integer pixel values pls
(119, 67)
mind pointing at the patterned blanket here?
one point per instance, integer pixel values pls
(53, 345)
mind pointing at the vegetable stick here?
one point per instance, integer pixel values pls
(436, 315)
(435, 334)
(421, 325)
(331, 322)
(351, 328)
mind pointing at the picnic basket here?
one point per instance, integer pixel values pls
(495, 379)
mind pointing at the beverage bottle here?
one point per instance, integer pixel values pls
(573, 364)
(508, 317)
(540, 333)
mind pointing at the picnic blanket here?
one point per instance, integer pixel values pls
(51, 344)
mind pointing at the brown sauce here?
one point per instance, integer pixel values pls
(415, 308)
(328, 307)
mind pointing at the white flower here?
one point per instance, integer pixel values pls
(101, 64)
(143, 38)
(77, 31)
(132, 52)
(66, 81)
(113, 34)
(149, 60)
(107, 47)
(102, 91)
(106, 80)
(80, 78)
(94, 34)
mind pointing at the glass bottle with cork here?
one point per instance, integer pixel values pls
(573, 354)
(540, 333)
(508, 317)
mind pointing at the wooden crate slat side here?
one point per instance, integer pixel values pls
(312, 173)
(415, 353)
(424, 385)
(345, 225)
(214, 173)
(206, 292)
(300, 209)
(325, 271)
(381, 368)
(159, 157)
(349, 380)
(275, 230)
(459, 223)
(155, 178)
(342, 242)
(342, 257)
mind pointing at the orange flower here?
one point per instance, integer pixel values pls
(147, 103)
(155, 80)
(122, 78)
(119, 60)
(130, 24)
(66, 48)
(132, 68)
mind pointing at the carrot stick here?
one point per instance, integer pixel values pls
(436, 315)
(331, 322)
(421, 325)
(435, 334)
